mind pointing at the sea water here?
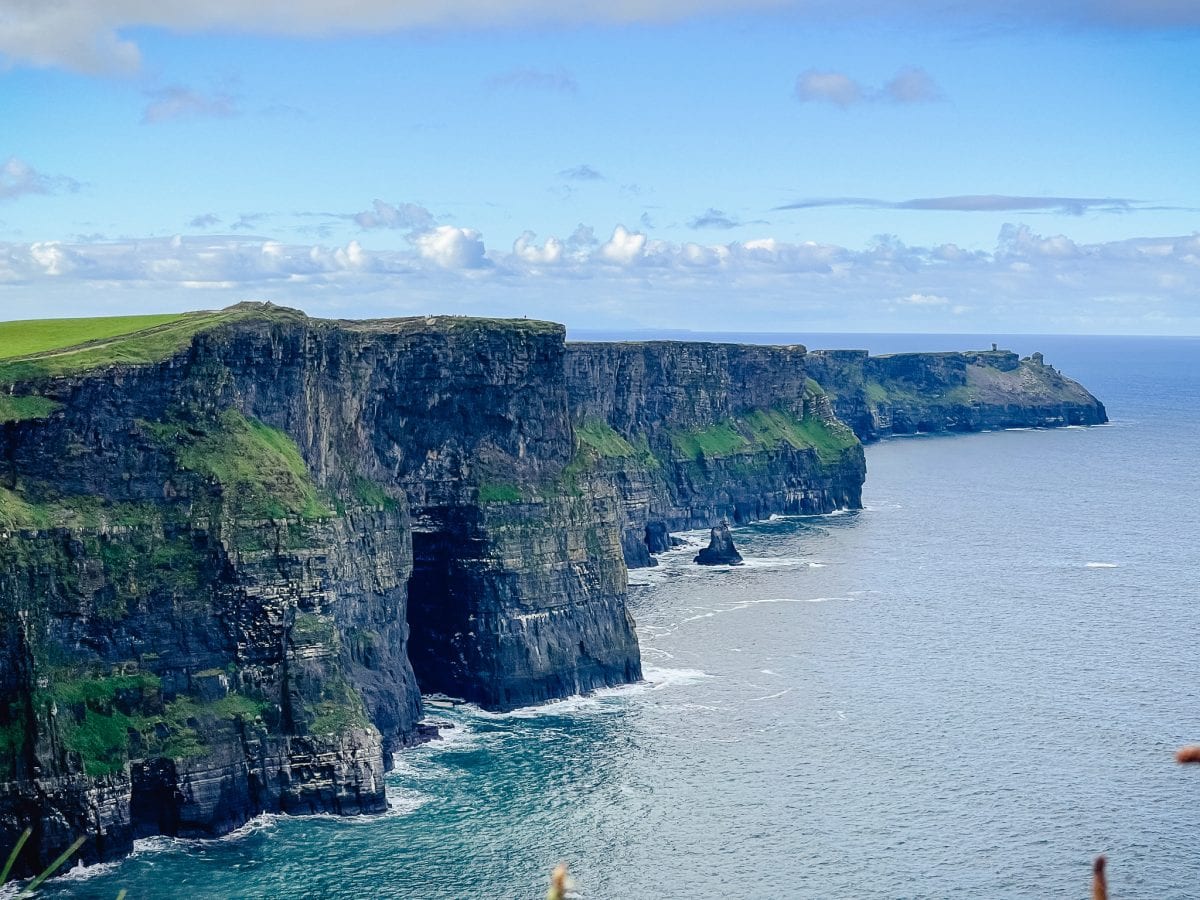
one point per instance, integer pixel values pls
(969, 688)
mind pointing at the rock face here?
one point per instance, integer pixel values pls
(688, 434)
(906, 393)
(225, 576)
(720, 550)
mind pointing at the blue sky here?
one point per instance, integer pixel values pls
(792, 166)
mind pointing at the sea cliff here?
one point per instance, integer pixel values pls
(237, 547)
(691, 434)
(908, 393)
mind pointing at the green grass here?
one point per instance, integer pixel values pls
(372, 494)
(101, 715)
(39, 335)
(17, 409)
(259, 468)
(599, 437)
(499, 492)
(16, 512)
(764, 429)
(721, 439)
(876, 392)
(91, 344)
(101, 735)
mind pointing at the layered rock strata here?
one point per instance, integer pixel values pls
(210, 604)
(907, 393)
(692, 434)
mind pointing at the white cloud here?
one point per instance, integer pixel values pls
(909, 85)
(451, 247)
(830, 87)
(52, 257)
(408, 216)
(624, 248)
(18, 178)
(1029, 282)
(86, 35)
(526, 250)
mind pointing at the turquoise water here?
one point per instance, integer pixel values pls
(968, 689)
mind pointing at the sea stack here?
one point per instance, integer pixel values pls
(720, 550)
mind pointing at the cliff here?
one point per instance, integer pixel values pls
(907, 393)
(236, 547)
(691, 434)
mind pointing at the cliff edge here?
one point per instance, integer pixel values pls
(909, 393)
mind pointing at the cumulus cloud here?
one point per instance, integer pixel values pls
(86, 35)
(1075, 206)
(18, 178)
(408, 216)
(581, 173)
(624, 248)
(535, 79)
(910, 85)
(451, 247)
(1028, 282)
(176, 102)
(549, 253)
(205, 220)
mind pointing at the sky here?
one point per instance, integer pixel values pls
(1002, 166)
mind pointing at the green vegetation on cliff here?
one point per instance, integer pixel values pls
(764, 429)
(17, 409)
(47, 348)
(259, 468)
(602, 439)
(110, 719)
(40, 335)
(499, 492)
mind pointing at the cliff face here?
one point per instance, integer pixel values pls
(209, 596)
(690, 434)
(906, 393)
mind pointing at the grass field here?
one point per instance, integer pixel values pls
(71, 346)
(40, 335)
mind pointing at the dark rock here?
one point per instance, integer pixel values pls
(658, 538)
(720, 550)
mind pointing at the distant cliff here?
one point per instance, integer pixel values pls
(907, 393)
(690, 434)
(236, 547)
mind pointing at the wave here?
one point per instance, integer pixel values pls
(746, 604)
(1101, 565)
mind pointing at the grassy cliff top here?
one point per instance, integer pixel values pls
(41, 335)
(38, 349)
(44, 348)
(449, 324)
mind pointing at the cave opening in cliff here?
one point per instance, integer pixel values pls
(439, 619)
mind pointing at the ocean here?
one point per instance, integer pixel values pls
(969, 688)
